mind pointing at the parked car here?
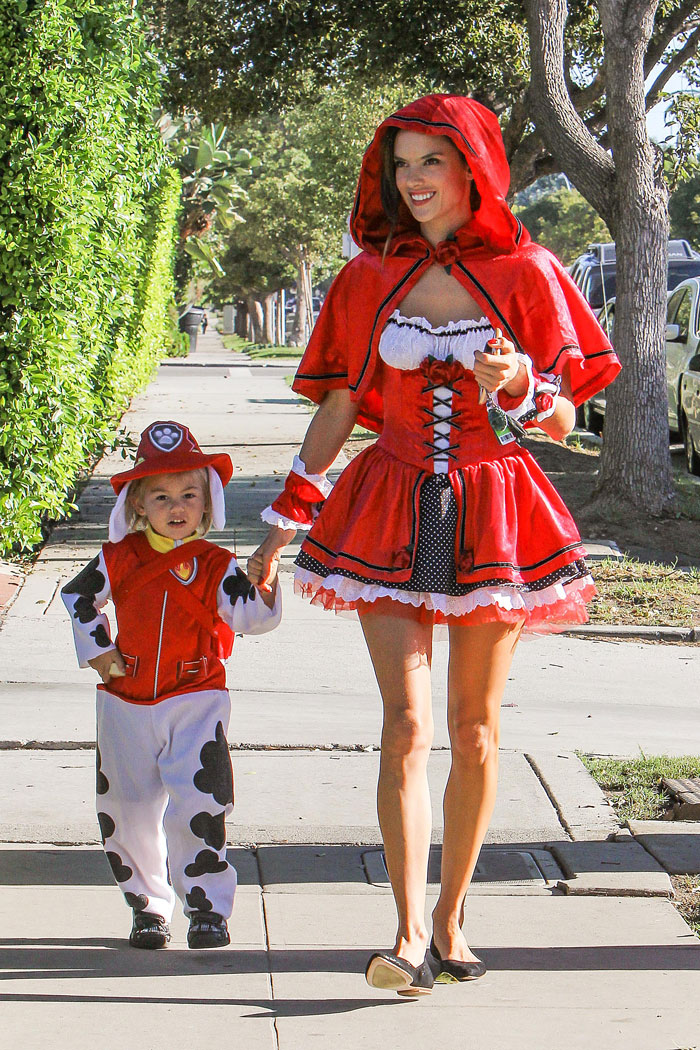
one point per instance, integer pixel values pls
(689, 414)
(682, 339)
(595, 271)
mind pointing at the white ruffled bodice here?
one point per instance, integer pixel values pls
(406, 342)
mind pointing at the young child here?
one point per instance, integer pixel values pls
(164, 777)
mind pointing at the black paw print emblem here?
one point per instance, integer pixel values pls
(165, 436)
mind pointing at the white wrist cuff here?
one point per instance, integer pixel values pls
(324, 486)
(271, 517)
(527, 403)
(527, 411)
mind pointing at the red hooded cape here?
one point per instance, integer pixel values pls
(521, 287)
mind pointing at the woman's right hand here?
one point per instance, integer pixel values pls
(261, 566)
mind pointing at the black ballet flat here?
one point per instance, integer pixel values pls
(451, 971)
(391, 972)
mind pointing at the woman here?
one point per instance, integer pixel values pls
(446, 518)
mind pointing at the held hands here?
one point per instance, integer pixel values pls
(109, 665)
(263, 563)
(500, 368)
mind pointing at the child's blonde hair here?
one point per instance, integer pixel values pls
(138, 522)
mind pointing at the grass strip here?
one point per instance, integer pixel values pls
(686, 889)
(633, 787)
(256, 351)
(633, 784)
(645, 594)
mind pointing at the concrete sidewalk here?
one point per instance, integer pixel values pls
(581, 940)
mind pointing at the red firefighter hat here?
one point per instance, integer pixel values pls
(167, 447)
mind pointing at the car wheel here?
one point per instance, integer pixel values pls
(593, 420)
(692, 458)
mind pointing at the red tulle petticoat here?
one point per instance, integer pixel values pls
(515, 554)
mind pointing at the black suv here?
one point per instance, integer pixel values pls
(594, 272)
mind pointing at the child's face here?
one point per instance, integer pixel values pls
(174, 504)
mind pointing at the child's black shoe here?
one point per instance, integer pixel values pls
(207, 930)
(149, 931)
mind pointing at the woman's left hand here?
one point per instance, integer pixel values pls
(500, 367)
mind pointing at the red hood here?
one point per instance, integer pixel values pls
(475, 132)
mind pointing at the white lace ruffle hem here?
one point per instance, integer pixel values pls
(449, 605)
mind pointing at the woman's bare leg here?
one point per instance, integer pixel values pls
(480, 658)
(401, 652)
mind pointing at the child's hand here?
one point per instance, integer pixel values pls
(109, 665)
(267, 588)
(261, 567)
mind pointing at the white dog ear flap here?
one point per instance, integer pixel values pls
(218, 506)
(118, 526)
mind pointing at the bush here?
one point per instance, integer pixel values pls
(87, 207)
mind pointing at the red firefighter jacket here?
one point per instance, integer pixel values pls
(166, 652)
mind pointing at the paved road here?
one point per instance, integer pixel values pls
(570, 959)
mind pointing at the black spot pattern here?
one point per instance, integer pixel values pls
(122, 872)
(238, 586)
(211, 828)
(84, 610)
(89, 582)
(101, 636)
(102, 786)
(434, 565)
(216, 776)
(205, 863)
(139, 902)
(107, 826)
(198, 899)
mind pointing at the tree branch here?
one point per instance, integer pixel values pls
(679, 59)
(515, 128)
(666, 33)
(587, 165)
(582, 98)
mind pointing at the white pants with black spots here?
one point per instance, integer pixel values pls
(164, 790)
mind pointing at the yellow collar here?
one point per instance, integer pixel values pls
(165, 543)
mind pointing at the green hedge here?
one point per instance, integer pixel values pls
(87, 209)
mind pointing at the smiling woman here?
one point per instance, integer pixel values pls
(446, 518)
(429, 174)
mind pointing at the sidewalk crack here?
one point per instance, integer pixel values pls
(268, 950)
(550, 795)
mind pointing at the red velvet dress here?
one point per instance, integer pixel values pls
(513, 550)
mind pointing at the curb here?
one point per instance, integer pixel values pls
(630, 632)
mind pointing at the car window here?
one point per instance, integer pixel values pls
(607, 320)
(682, 318)
(672, 306)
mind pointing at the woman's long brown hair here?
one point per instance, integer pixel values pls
(390, 196)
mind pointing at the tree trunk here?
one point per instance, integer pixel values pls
(280, 333)
(255, 314)
(269, 327)
(635, 464)
(628, 192)
(241, 323)
(301, 326)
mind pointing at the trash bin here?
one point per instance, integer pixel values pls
(191, 322)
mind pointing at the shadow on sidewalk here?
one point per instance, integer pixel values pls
(74, 866)
(269, 1008)
(52, 959)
